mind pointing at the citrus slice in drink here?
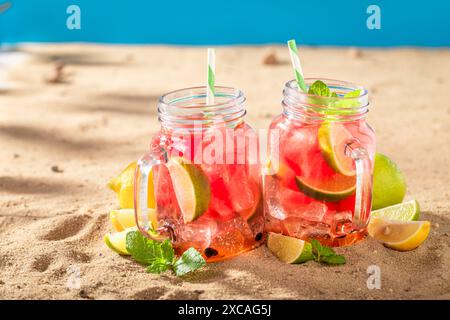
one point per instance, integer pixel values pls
(402, 236)
(191, 187)
(289, 249)
(117, 241)
(124, 218)
(333, 138)
(330, 189)
(407, 211)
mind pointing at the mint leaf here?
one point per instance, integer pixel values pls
(158, 266)
(147, 251)
(140, 248)
(353, 94)
(319, 88)
(334, 259)
(167, 250)
(160, 256)
(190, 260)
(325, 254)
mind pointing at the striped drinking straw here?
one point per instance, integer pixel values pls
(296, 65)
(211, 75)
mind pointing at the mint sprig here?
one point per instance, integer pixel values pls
(160, 256)
(324, 254)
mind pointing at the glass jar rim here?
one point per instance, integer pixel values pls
(292, 87)
(313, 108)
(237, 95)
(185, 106)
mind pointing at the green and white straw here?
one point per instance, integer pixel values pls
(296, 65)
(211, 76)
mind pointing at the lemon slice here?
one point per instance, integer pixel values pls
(289, 249)
(402, 236)
(117, 241)
(124, 218)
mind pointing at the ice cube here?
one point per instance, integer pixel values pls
(199, 232)
(231, 236)
(342, 223)
(314, 212)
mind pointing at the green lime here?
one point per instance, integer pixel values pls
(117, 241)
(333, 138)
(389, 186)
(191, 187)
(289, 249)
(407, 211)
(333, 189)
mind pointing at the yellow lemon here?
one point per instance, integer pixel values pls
(402, 236)
(123, 185)
(124, 218)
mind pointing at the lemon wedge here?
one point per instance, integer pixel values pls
(124, 218)
(123, 185)
(402, 236)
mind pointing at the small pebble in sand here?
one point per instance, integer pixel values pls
(57, 75)
(436, 225)
(57, 169)
(15, 155)
(270, 59)
(354, 53)
(391, 290)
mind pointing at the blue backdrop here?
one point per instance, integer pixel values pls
(312, 22)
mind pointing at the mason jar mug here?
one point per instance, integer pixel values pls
(204, 165)
(321, 152)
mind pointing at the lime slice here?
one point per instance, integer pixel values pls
(402, 236)
(407, 211)
(333, 138)
(334, 189)
(289, 249)
(124, 218)
(191, 187)
(117, 241)
(389, 185)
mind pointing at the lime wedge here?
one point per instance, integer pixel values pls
(333, 138)
(289, 249)
(124, 218)
(334, 189)
(191, 187)
(407, 211)
(389, 185)
(402, 236)
(117, 241)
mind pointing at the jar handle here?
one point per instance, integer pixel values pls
(157, 156)
(363, 196)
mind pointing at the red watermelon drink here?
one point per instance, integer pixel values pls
(321, 163)
(205, 168)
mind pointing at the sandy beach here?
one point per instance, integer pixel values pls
(61, 142)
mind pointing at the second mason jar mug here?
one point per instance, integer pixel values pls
(205, 168)
(321, 153)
